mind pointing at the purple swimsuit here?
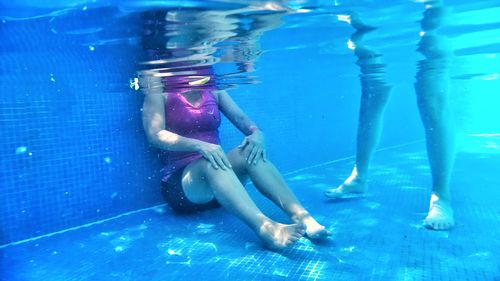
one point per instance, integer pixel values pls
(196, 122)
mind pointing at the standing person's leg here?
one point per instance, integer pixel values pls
(201, 183)
(431, 88)
(271, 184)
(374, 96)
(439, 131)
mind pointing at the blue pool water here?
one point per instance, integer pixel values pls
(79, 183)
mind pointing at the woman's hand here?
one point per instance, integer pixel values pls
(254, 148)
(214, 154)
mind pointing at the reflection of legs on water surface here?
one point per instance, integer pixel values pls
(374, 96)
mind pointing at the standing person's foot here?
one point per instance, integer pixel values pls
(314, 230)
(440, 216)
(279, 236)
(353, 184)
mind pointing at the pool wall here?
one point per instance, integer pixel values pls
(72, 149)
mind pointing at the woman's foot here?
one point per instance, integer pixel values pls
(314, 230)
(279, 236)
(353, 184)
(440, 216)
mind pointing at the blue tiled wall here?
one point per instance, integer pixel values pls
(71, 146)
(72, 150)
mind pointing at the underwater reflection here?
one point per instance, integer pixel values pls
(181, 45)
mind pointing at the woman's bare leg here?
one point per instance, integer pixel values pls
(375, 94)
(201, 182)
(271, 184)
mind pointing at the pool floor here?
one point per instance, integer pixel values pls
(378, 236)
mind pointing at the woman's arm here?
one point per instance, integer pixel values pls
(253, 144)
(153, 117)
(234, 113)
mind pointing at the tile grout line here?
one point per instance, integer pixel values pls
(79, 226)
(349, 157)
(161, 205)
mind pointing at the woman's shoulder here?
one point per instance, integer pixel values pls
(217, 94)
(158, 98)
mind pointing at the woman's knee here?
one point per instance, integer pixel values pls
(240, 163)
(210, 174)
(238, 160)
(236, 156)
